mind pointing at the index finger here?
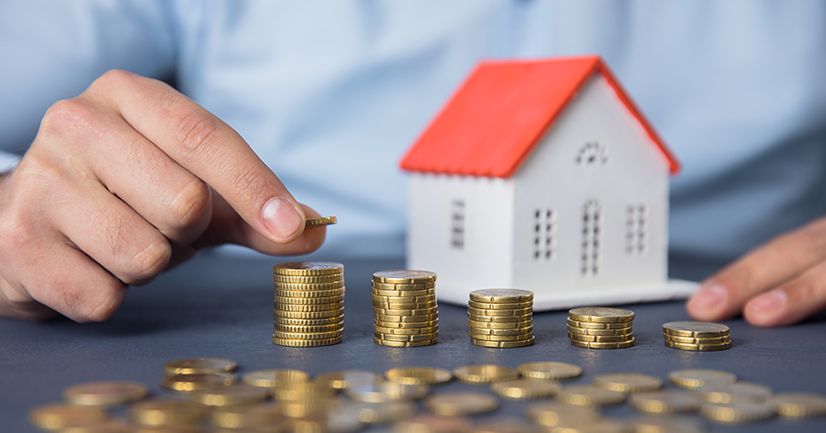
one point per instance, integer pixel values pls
(208, 148)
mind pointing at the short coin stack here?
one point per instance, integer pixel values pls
(697, 336)
(308, 304)
(501, 318)
(601, 327)
(405, 312)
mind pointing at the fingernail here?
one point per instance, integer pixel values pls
(281, 218)
(769, 302)
(709, 298)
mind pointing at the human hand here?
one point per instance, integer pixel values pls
(122, 181)
(780, 283)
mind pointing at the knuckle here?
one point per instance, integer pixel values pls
(67, 116)
(113, 77)
(191, 205)
(102, 308)
(196, 132)
(149, 262)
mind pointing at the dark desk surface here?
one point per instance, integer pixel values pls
(223, 307)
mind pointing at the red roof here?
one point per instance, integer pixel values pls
(492, 122)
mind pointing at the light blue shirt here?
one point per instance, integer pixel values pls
(331, 93)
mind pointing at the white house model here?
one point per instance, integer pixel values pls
(542, 175)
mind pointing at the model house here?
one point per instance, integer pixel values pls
(542, 175)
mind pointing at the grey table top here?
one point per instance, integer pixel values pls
(217, 306)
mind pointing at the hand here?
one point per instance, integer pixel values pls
(779, 283)
(122, 181)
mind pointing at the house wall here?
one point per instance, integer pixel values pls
(483, 257)
(627, 171)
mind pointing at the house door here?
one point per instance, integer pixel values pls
(591, 242)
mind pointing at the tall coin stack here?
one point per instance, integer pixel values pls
(308, 304)
(601, 327)
(404, 308)
(697, 336)
(501, 318)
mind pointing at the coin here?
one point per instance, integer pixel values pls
(308, 335)
(329, 309)
(105, 393)
(341, 420)
(549, 414)
(501, 295)
(521, 318)
(628, 382)
(306, 343)
(525, 388)
(461, 403)
(388, 343)
(324, 314)
(384, 391)
(484, 373)
(503, 344)
(601, 332)
(340, 380)
(167, 412)
(406, 331)
(697, 341)
(423, 327)
(377, 413)
(499, 325)
(525, 332)
(399, 288)
(246, 417)
(500, 306)
(660, 424)
(403, 276)
(60, 416)
(109, 426)
(419, 337)
(309, 328)
(549, 370)
(405, 318)
(417, 375)
(799, 404)
(286, 321)
(327, 300)
(501, 338)
(736, 413)
(695, 329)
(696, 378)
(603, 425)
(308, 268)
(274, 378)
(515, 312)
(320, 221)
(197, 381)
(600, 338)
(230, 396)
(433, 424)
(665, 402)
(600, 314)
(589, 395)
(302, 279)
(735, 392)
(598, 325)
(397, 293)
(699, 347)
(504, 424)
(200, 365)
(603, 345)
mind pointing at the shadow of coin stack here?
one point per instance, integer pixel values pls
(405, 312)
(501, 318)
(308, 304)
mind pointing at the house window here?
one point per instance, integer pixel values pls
(636, 238)
(591, 234)
(544, 234)
(592, 153)
(457, 224)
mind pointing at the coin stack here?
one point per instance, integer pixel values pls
(697, 336)
(308, 304)
(501, 318)
(601, 327)
(404, 308)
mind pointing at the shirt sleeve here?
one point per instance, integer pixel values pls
(53, 50)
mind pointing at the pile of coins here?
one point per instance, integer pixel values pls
(405, 312)
(601, 327)
(309, 304)
(501, 318)
(697, 336)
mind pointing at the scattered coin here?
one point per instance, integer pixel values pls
(381, 391)
(589, 395)
(167, 412)
(800, 404)
(696, 378)
(525, 388)
(484, 373)
(461, 403)
(61, 416)
(417, 375)
(112, 393)
(321, 221)
(737, 413)
(505, 425)
(628, 382)
(200, 365)
(340, 380)
(246, 416)
(735, 392)
(377, 413)
(230, 396)
(549, 370)
(549, 414)
(665, 402)
(434, 424)
(197, 381)
(662, 424)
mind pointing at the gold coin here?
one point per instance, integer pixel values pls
(419, 307)
(309, 301)
(662, 424)
(379, 299)
(800, 404)
(600, 315)
(501, 338)
(604, 425)
(549, 414)
(308, 335)
(200, 365)
(525, 388)
(499, 325)
(306, 343)
(505, 320)
(503, 424)
(484, 373)
(246, 417)
(197, 381)
(340, 420)
(60, 416)
(696, 378)
(108, 426)
(404, 287)
(697, 341)
(405, 318)
(515, 312)
(286, 321)
(325, 314)
(336, 307)
(501, 295)
(340, 380)
(434, 424)
(600, 338)
(302, 279)
(598, 325)
(311, 328)
(665, 402)
(528, 330)
(503, 344)
(500, 306)
(379, 413)
(406, 324)
(419, 375)
(420, 337)
(589, 395)
(308, 288)
(603, 345)
(736, 413)
(321, 221)
(415, 293)
(549, 370)
(105, 393)
(230, 396)
(167, 413)
(695, 329)
(382, 342)
(628, 382)
(404, 276)
(405, 331)
(309, 295)
(308, 268)
(399, 312)
(601, 332)
(735, 392)
(461, 403)
(699, 347)
(383, 391)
